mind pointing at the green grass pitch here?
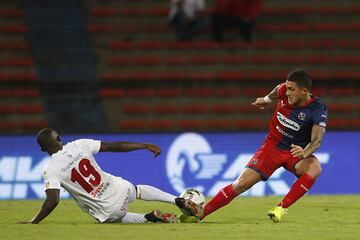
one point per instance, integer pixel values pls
(313, 217)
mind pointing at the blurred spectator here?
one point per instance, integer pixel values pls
(188, 18)
(240, 14)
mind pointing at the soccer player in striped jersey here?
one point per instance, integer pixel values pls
(295, 133)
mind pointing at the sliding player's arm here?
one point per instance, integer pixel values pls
(263, 101)
(129, 146)
(50, 203)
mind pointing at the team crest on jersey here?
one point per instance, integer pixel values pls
(301, 116)
(254, 161)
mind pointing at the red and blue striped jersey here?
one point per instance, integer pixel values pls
(293, 125)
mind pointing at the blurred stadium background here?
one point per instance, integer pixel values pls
(115, 66)
(111, 67)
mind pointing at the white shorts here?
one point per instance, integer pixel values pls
(126, 194)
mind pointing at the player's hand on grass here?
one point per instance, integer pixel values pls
(297, 151)
(260, 103)
(154, 149)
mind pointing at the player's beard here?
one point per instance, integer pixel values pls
(293, 101)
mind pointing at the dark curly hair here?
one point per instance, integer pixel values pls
(301, 77)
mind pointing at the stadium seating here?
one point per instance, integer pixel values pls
(257, 44)
(207, 108)
(153, 83)
(160, 29)
(174, 75)
(11, 12)
(18, 76)
(147, 65)
(162, 11)
(230, 59)
(21, 108)
(198, 92)
(19, 45)
(13, 28)
(344, 107)
(338, 124)
(16, 62)
(22, 126)
(19, 93)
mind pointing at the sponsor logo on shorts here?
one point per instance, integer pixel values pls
(126, 201)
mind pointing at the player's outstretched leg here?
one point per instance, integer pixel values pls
(245, 181)
(159, 216)
(154, 216)
(150, 193)
(222, 198)
(133, 218)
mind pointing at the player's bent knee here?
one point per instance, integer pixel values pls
(315, 169)
(241, 185)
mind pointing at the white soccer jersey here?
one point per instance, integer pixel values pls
(75, 169)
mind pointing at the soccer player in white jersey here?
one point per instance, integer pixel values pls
(102, 195)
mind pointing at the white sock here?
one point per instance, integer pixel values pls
(149, 193)
(134, 218)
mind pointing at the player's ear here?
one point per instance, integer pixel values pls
(42, 148)
(304, 90)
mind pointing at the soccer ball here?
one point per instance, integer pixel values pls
(193, 195)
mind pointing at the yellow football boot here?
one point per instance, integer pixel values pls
(276, 213)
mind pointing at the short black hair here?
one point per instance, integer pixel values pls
(301, 77)
(43, 137)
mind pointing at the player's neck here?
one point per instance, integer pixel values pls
(52, 151)
(305, 101)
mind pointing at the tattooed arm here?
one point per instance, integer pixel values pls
(317, 134)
